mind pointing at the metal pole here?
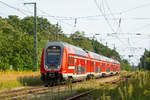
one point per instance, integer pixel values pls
(106, 49)
(93, 43)
(144, 60)
(114, 51)
(114, 47)
(57, 31)
(35, 51)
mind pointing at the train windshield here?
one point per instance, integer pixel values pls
(53, 55)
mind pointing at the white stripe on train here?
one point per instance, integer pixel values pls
(83, 76)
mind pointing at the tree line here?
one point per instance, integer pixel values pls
(16, 42)
(145, 61)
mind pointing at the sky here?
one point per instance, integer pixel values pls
(124, 24)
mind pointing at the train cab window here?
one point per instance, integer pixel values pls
(53, 54)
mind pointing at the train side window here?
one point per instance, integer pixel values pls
(75, 65)
(100, 64)
(68, 61)
(88, 63)
(114, 67)
(111, 65)
(73, 60)
(92, 63)
(85, 65)
(103, 65)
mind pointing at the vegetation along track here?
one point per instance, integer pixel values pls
(27, 92)
(115, 82)
(38, 90)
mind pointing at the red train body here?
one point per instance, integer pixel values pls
(61, 61)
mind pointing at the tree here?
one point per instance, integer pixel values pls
(16, 41)
(145, 61)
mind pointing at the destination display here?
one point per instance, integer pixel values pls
(53, 49)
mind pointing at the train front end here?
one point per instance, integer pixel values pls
(51, 62)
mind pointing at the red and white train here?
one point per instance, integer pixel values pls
(62, 61)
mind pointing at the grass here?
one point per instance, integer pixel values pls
(13, 79)
(135, 88)
(75, 88)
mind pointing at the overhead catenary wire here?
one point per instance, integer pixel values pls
(80, 17)
(99, 8)
(117, 22)
(134, 8)
(23, 11)
(109, 23)
(15, 8)
(106, 19)
(61, 18)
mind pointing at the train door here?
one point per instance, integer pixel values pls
(107, 67)
(71, 67)
(100, 66)
(83, 65)
(80, 66)
(92, 66)
(88, 66)
(118, 68)
(103, 66)
(111, 67)
(86, 62)
(96, 67)
(114, 67)
(75, 65)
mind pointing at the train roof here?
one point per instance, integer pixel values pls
(77, 51)
(81, 52)
(95, 55)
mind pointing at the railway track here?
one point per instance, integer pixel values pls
(29, 92)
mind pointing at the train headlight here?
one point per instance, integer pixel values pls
(46, 67)
(58, 66)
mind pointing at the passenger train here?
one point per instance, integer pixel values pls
(63, 61)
